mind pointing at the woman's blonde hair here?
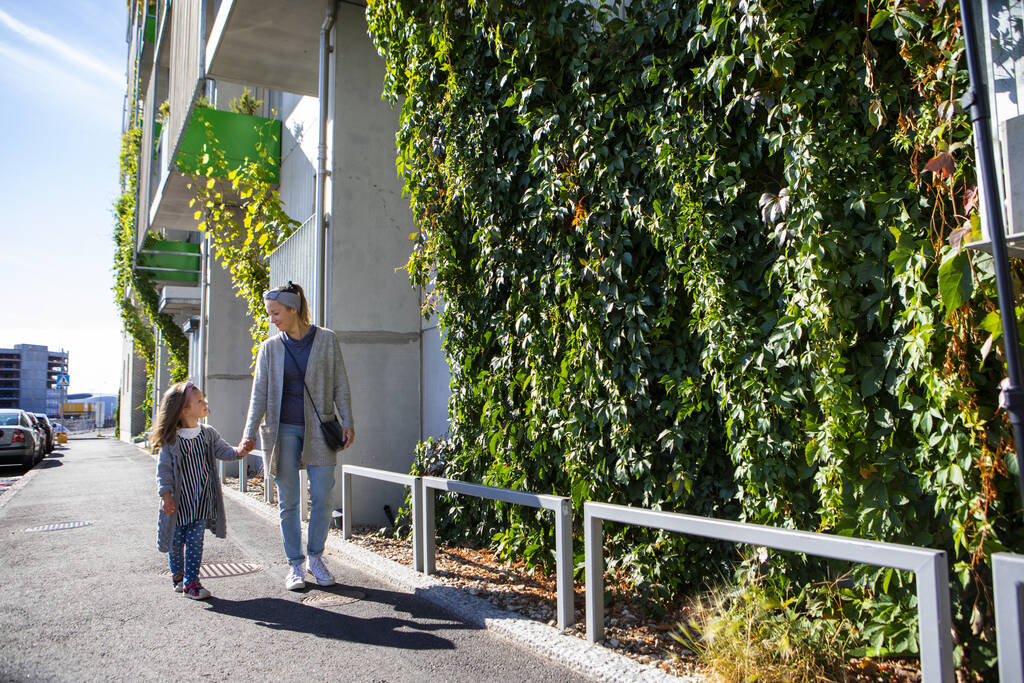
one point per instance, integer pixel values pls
(303, 308)
(168, 418)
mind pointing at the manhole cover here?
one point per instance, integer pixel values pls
(218, 570)
(333, 599)
(59, 526)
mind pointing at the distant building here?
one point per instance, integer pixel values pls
(28, 378)
(102, 408)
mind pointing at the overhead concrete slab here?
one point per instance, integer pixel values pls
(170, 209)
(267, 43)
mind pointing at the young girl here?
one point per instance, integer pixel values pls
(187, 483)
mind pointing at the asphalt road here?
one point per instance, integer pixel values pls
(91, 602)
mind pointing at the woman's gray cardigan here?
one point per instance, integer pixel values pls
(327, 382)
(169, 479)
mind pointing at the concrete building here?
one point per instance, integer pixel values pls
(102, 408)
(315, 69)
(28, 378)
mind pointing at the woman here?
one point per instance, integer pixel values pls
(300, 366)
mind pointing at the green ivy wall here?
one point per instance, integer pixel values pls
(705, 257)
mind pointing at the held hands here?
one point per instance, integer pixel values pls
(245, 446)
(348, 434)
(167, 505)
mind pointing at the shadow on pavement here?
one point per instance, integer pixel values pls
(47, 464)
(282, 614)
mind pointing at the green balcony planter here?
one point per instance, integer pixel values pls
(238, 136)
(170, 262)
(149, 27)
(157, 127)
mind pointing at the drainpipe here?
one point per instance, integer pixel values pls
(204, 289)
(320, 236)
(977, 98)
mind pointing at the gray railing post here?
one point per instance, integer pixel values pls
(934, 619)
(1008, 595)
(564, 564)
(346, 504)
(243, 471)
(417, 524)
(428, 529)
(303, 495)
(593, 561)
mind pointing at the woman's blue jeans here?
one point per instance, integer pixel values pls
(321, 480)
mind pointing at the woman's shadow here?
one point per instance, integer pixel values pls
(282, 614)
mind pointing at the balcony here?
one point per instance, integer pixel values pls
(238, 138)
(267, 43)
(170, 262)
(179, 302)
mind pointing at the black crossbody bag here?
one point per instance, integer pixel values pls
(331, 429)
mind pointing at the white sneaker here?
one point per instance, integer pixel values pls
(295, 581)
(315, 566)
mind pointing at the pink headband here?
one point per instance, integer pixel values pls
(188, 387)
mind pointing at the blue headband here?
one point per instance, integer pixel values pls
(289, 299)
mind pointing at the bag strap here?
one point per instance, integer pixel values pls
(296, 361)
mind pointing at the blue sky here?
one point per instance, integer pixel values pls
(62, 83)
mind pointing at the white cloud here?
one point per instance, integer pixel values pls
(46, 72)
(76, 59)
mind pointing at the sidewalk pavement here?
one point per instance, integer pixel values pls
(92, 601)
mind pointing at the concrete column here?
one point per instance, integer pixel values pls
(228, 378)
(371, 306)
(133, 392)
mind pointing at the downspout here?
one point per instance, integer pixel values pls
(204, 308)
(319, 239)
(977, 99)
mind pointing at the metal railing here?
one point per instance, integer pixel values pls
(188, 62)
(295, 259)
(1008, 595)
(929, 566)
(560, 505)
(145, 171)
(348, 471)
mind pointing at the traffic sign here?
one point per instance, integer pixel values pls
(62, 381)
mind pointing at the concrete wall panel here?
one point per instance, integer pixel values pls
(228, 372)
(385, 406)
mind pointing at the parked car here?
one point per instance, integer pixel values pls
(48, 428)
(20, 443)
(40, 434)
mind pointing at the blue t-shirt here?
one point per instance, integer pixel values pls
(296, 356)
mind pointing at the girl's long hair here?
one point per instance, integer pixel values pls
(169, 415)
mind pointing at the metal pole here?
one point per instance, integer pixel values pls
(1013, 394)
(1008, 586)
(346, 504)
(429, 550)
(593, 567)
(319, 238)
(563, 565)
(417, 525)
